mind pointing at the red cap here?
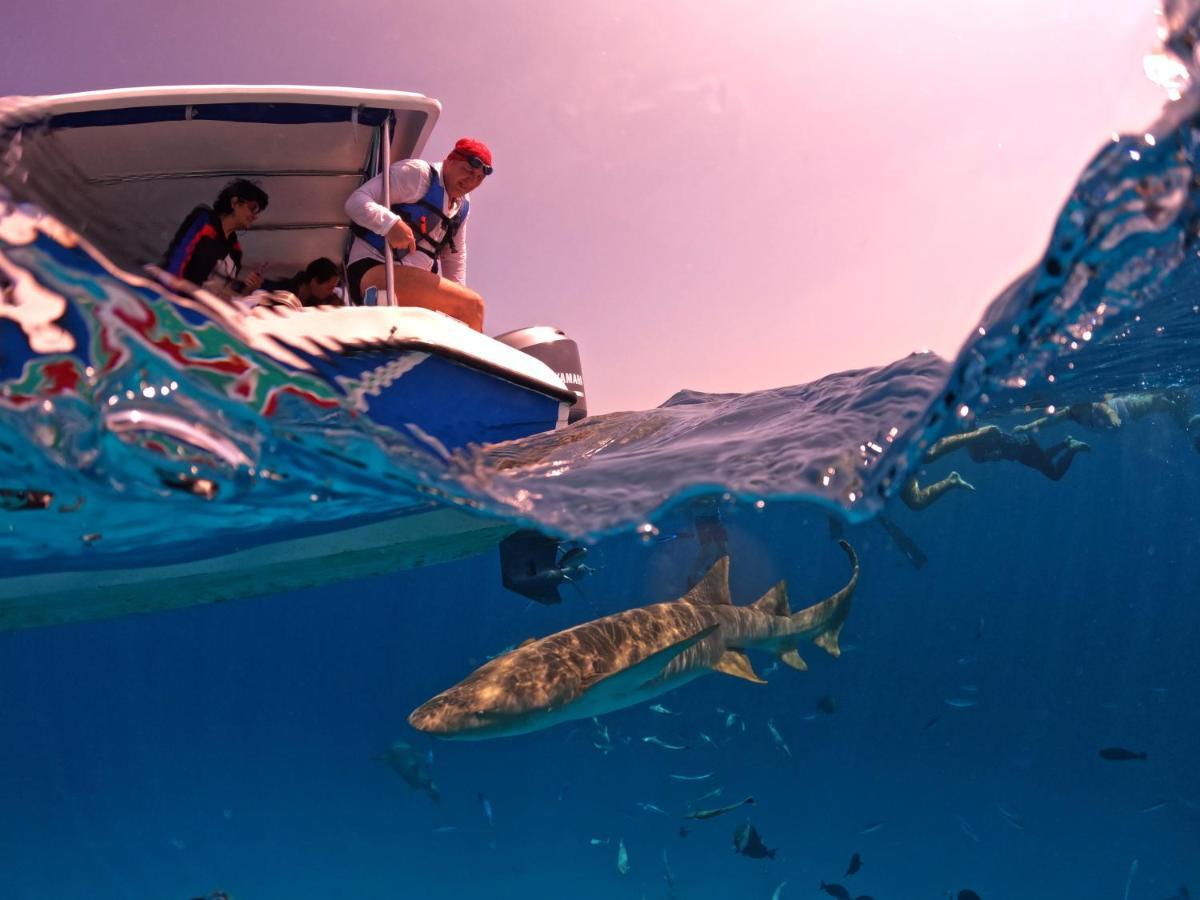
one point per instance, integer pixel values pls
(470, 147)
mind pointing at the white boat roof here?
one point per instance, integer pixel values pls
(124, 167)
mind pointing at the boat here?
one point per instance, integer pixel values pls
(97, 162)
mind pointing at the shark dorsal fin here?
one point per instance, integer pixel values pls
(628, 680)
(737, 664)
(774, 602)
(713, 588)
(793, 659)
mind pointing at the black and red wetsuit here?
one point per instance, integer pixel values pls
(199, 244)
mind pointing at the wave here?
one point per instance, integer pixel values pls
(1111, 307)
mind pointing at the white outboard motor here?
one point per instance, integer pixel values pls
(559, 352)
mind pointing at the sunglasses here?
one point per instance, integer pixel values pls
(476, 163)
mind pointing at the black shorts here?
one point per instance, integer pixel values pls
(354, 275)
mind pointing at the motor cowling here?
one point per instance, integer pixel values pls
(559, 352)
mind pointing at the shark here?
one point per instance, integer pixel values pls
(633, 656)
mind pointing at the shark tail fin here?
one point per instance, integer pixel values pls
(774, 602)
(824, 620)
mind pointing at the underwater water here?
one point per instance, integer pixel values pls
(999, 638)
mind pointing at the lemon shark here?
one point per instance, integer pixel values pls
(633, 656)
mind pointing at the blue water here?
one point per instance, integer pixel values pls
(235, 746)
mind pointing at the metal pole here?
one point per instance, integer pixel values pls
(385, 165)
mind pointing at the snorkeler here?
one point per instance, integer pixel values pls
(1117, 410)
(990, 444)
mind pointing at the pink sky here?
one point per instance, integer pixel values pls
(705, 194)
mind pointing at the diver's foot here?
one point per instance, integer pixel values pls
(958, 481)
(1078, 446)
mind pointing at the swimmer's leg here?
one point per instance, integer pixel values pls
(917, 497)
(1060, 456)
(952, 442)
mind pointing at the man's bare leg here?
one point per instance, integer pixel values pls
(418, 287)
(917, 497)
(952, 442)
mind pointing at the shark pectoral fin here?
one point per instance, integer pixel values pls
(626, 681)
(793, 659)
(774, 602)
(713, 588)
(737, 664)
(828, 641)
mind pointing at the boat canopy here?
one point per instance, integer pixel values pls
(124, 167)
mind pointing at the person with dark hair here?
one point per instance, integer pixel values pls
(1118, 410)
(316, 283)
(424, 233)
(209, 235)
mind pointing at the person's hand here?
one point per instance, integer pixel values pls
(401, 237)
(252, 282)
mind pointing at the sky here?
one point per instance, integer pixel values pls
(704, 194)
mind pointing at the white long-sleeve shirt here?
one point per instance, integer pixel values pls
(409, 182)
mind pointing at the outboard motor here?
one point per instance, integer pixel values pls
(559, 352)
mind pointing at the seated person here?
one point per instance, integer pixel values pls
(315, 285)
(424, 232)
(208, 237)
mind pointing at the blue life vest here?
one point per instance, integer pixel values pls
(422, 217)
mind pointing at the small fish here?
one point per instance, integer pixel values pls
(704, 737)
(969, 688)
(413, 767)
(836, 890)
(1120, 754)
(968, 895)
(1133, 867)
(662, 710)
(445, 829)
(622, 858)
(650, 807)
(966, 660)
(487, 807)
(770, 670)
(779, 741)
(966, 829)
(710, 813)
(1010, 816)
(929, 724)
(715, 792)
(855, 864)
(827, 705)
(670, 876)
(872, 827)
(778, 892)
(961, 702)
(1155, 807)
(598, 842)
(659, 742)
(746, 841)
(703, 777)
(731, 720)
(509, 649)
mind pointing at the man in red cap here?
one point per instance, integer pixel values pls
(424, 232)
